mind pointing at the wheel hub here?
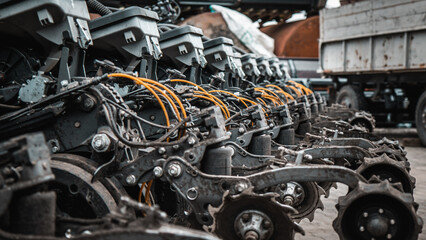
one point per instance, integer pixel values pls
(378, 223)
(253, 225)
(291, 193)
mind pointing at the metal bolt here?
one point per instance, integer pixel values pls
(64, 83)
(158, 171)
(266, 224)
(101, 142)
(152, 117)
(288, 200)
(68, 233)
(131, 179)
(298, 190)
(240, 187)
(361, 229)
(175, 147)
(283, 186)
(365, 214)
(241, 130)
(161, 150)
(392, 221)
(77, 124)
(389, 236)
(174, 170)
(381, 210)
(191, 140)
(271, 125)
(55, 149)
(308, 157)
(245, 217)
(88, 103)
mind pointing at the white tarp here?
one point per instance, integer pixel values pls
(247, 31)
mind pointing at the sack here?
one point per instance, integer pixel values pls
(247, 31)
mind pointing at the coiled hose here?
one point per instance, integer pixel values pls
(97, 7)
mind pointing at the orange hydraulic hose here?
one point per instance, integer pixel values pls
(188, 82)
(265, 89)
(307, 90)
(261, 100)
(250, 101)
(140, 192)
(287, 95)
(213, 101)
(169, 91)
(270, 97)
(202, 89)
(149, 89)
(273, 100)
(148, 189)
(229, 93)
(168, 99)
(217, 100)
(295, 90)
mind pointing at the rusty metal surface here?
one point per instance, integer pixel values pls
(297, 39)
(373, 37)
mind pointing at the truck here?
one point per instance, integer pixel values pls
(375, 53)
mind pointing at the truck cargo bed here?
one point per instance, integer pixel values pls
(374, 36)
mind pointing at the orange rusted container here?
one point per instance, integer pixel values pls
(296, 39)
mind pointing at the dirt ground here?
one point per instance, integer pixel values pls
(321, 228)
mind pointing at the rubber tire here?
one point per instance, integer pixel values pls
(353, 95)
(421, 128)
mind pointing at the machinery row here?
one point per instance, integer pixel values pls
(121, 127)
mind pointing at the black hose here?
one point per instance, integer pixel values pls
(97, 7)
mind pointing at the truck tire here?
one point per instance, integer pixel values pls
(351, 96)
(421, 118)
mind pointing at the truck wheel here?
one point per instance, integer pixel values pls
(421, 118)
(351, 96)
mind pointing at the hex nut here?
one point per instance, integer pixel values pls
(158, 171)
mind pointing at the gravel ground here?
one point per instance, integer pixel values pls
(321, 228)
